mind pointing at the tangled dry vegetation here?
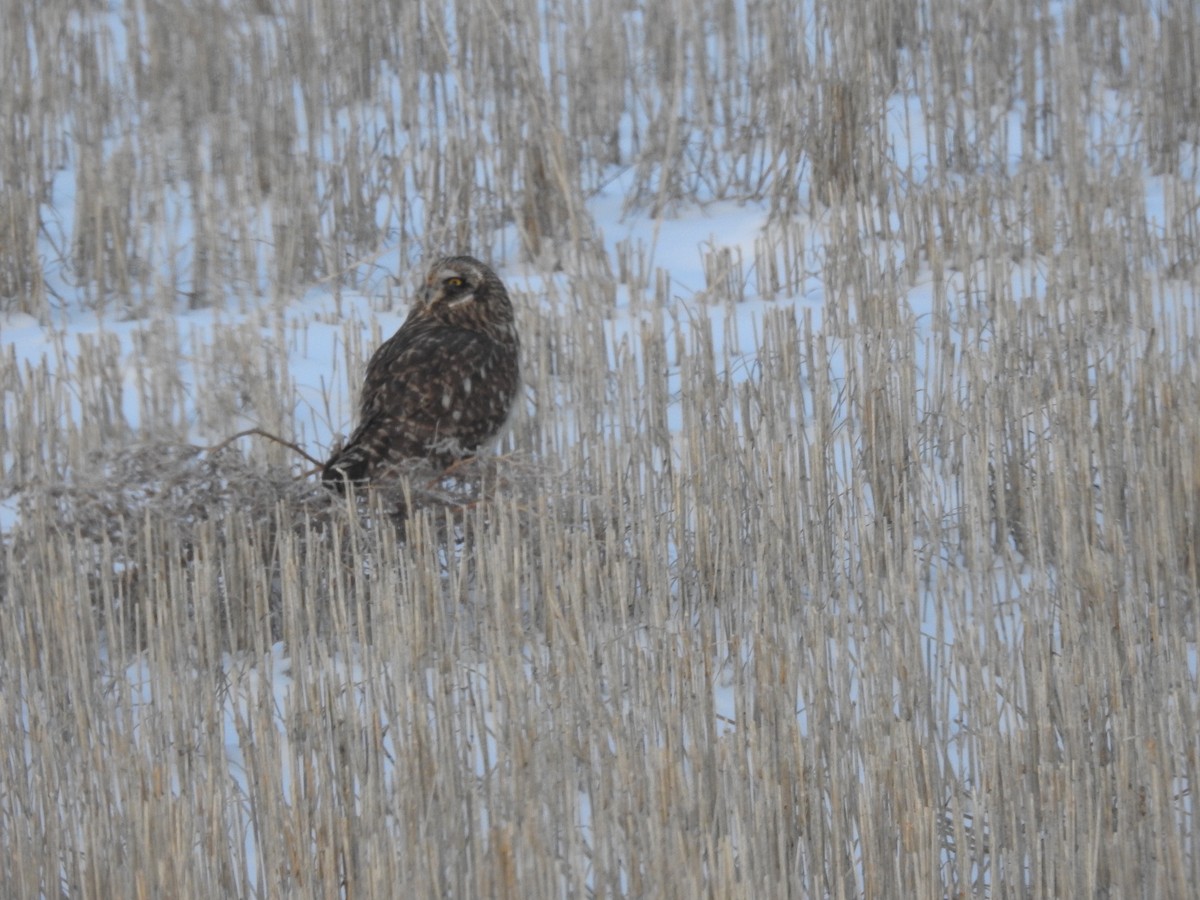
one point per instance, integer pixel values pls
(945, 569)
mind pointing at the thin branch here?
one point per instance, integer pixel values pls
(216, 448)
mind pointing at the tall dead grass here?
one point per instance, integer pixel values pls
(942, 572)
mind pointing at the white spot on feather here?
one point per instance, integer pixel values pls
(446, 400)
(466, 385)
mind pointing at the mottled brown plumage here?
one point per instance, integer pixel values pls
(442, 386)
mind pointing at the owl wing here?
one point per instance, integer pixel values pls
(421, 375)
(426, 394)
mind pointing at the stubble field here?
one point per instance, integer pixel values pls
(844, 543)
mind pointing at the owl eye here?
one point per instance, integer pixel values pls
(454, 282)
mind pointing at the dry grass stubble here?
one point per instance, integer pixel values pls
(946, 570)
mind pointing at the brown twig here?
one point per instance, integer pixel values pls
(215, 448)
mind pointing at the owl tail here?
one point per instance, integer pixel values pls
(351, 463)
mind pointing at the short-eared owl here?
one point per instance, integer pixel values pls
(443, 385)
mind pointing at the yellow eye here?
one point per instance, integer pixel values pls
(454, 282)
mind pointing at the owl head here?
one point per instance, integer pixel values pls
(462, 291)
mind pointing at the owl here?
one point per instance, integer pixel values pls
(443, 386)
